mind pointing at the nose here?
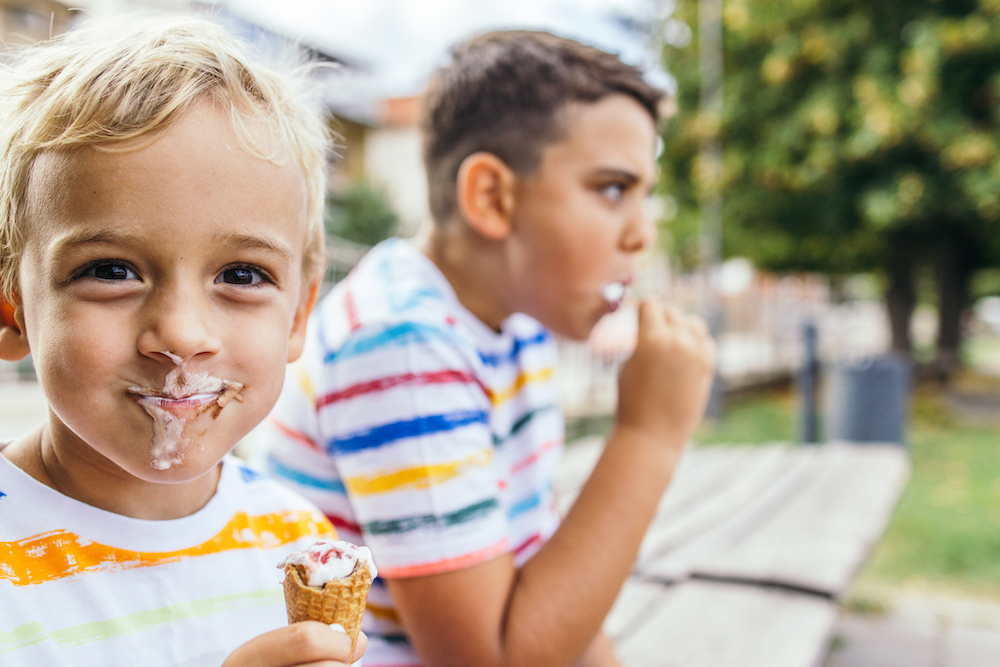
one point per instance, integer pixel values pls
(640, 230)
(178, 326)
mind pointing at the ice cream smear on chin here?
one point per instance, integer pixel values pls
(184, 397)
(327, 560)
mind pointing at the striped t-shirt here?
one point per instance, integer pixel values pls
(82, 586)
(420, 431)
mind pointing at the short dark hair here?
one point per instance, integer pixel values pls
(503, 93)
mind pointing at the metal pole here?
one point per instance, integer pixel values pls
(710, 63)
(808, 381)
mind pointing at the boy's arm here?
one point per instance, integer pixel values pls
(549, 611)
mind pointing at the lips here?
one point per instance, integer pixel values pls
(181, 403)
(183, 391)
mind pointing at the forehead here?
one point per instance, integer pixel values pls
(197, 171)
(615, 132)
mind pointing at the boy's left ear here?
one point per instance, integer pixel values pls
(13, 339)
(297, 336)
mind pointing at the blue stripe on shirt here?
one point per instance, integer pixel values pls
(519, 345)
(528, 503)
(407, 428)
(400, 334)
(279, 469)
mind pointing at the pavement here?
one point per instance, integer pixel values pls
(910, 629)
(920, 629)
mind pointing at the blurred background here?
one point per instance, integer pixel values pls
(829, 199)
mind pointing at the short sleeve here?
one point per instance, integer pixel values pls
(404, 414)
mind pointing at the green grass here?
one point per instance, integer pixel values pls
(945, 532)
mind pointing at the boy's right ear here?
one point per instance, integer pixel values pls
(13, 341)
(485, 192)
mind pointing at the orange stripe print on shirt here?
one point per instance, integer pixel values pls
(60, 554)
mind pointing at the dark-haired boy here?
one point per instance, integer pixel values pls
(423, 416)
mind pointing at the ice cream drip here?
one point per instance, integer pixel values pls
(198, 392)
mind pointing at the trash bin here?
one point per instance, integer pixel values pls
(867, 399)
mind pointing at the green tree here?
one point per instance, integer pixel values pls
(857, 135)
(361, 214)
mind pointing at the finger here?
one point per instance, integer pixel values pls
(699, 326)
(649, 313)
(301, 643)
(361, 647)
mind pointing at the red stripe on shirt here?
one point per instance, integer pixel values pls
(341, 523)
(349, 307)
(406, 379)
(296, 435)
(524, 463)
(535, 539)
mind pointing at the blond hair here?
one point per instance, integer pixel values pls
(120, 89)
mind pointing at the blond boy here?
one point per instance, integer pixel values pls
(423, 416)
(160, 238)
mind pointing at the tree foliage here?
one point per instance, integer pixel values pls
(362, 214)
(857, 135)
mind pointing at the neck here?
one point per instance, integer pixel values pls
(475, 269)
(101, 484)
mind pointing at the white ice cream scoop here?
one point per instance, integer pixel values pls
(613, 292)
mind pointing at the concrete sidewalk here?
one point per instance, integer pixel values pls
(920, 630)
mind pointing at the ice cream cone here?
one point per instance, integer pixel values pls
(338, 601)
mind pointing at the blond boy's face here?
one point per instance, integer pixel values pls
(581, 217)
(163, 295)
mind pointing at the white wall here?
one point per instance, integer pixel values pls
(393, 160)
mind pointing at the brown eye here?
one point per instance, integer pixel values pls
(239, 276)
(110, 271)
(244, 274)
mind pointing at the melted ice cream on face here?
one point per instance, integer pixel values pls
(327, 560)
(210, 392)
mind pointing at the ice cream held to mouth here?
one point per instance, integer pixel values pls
(329, 582)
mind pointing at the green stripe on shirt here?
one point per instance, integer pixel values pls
(30, 634)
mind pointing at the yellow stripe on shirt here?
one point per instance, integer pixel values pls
(417, 477)
(60, 554)
(504, 395)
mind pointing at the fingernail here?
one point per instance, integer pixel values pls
(338, 627)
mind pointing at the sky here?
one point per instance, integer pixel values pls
(399, 42)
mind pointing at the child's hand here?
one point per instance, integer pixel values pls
(663, 387)
(305, 643)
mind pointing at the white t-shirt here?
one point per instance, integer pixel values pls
(82, 586)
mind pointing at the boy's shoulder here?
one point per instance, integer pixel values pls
(394, 291)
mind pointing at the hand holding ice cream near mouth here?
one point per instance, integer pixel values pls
(328, 582)
(184, 397)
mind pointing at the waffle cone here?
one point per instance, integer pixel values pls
(339, 601)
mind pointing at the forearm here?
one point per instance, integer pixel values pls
(568, 587)
(550, 610)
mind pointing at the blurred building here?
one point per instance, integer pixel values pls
(26, 21)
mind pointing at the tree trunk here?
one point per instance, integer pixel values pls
(901, 293)
(953, 271)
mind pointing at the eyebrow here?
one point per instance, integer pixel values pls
(252, 242)
(85, 237)
(624, 174)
